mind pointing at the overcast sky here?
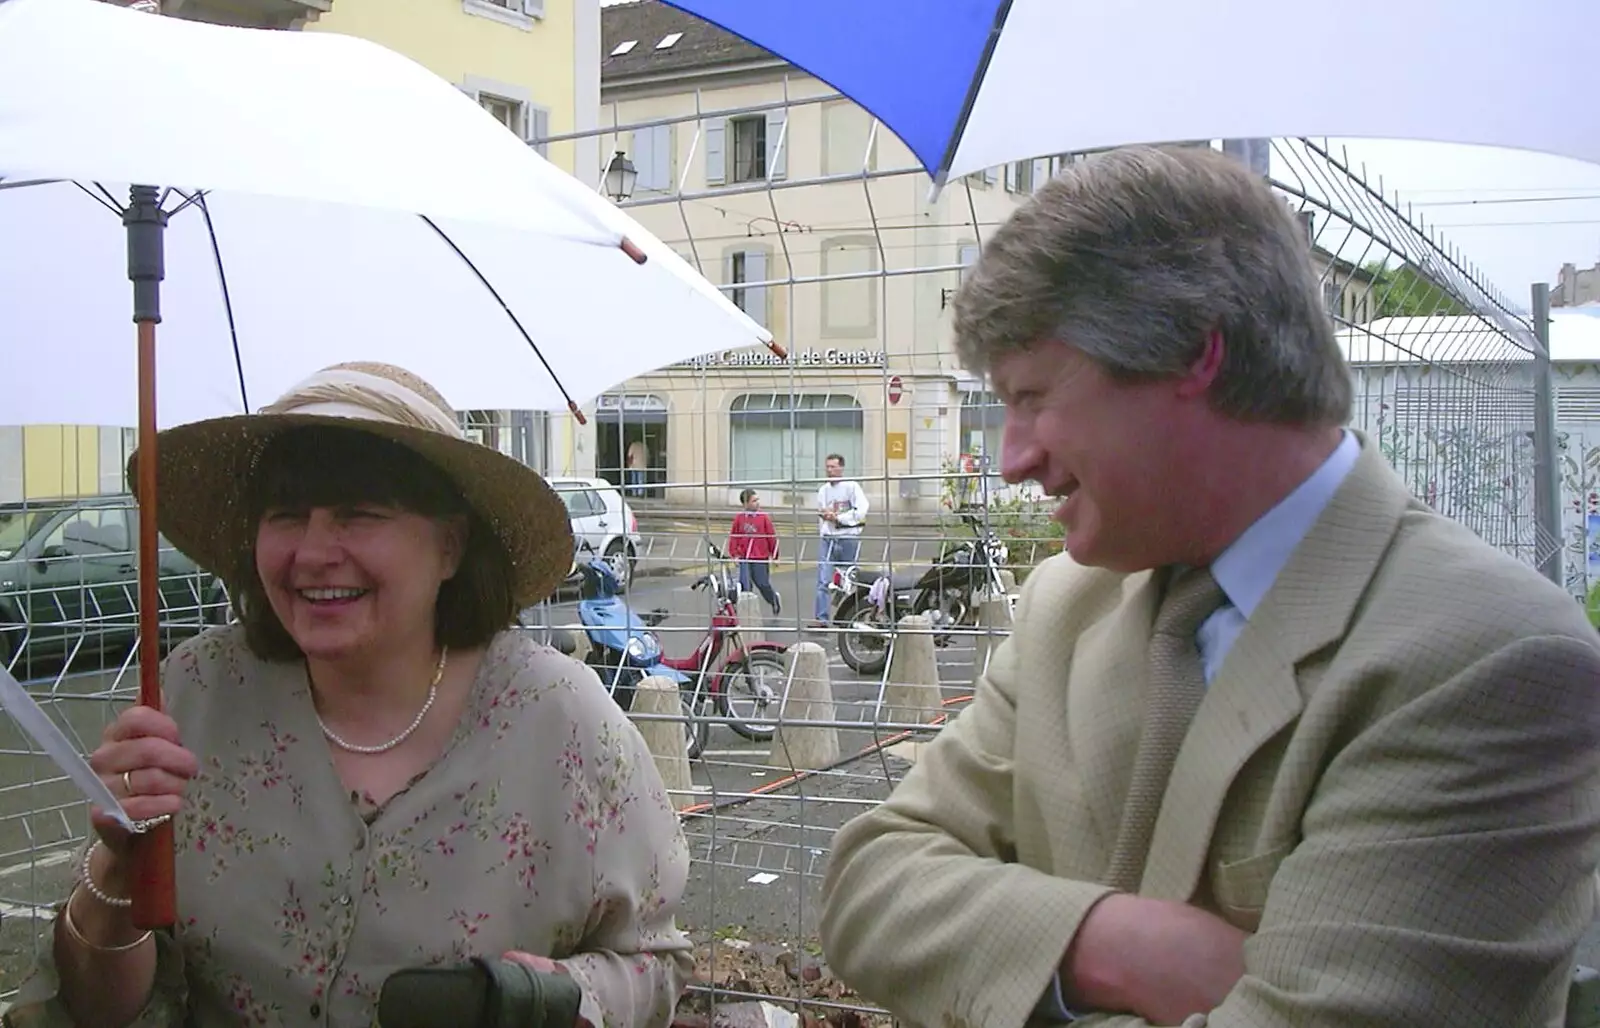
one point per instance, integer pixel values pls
(1517, 215)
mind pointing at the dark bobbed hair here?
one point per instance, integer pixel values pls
(331, 466)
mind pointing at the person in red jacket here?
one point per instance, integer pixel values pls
(754, 544)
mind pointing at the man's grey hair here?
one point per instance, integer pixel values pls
(1136, 255)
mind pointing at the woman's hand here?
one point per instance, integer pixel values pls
(143, 763)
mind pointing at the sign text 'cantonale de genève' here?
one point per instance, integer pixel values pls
(831, 358)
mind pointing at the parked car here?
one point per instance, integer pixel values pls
(604, 520)
(69, 582)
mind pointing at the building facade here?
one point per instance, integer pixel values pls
(533, 64)
(814, 221)
(1576, 286)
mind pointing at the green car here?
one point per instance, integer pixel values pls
(69, 583)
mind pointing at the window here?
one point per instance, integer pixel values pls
(652, 158)
(850, 305)
(1332, 295)
(580, 502)
(779, 437)
(745, 149)
(96, 532)
(846, 131)
(983, 423)
(513, 107)
(1041, 172)
(11, 449)
(749, 149)
(516, 13)
(1020, 176)
(748, 266)
(116, 446)
(967, 257)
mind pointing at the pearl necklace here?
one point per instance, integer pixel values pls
(416, 722)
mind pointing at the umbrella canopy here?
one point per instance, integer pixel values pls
(973, 84)
(330, 200)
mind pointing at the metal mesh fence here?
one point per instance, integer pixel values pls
(838, 249)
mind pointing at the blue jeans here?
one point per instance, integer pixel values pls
(834, 550)
(758, 574)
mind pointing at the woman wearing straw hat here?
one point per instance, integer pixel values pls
(371, 770)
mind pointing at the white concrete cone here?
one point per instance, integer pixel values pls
(751, 617)
(580, 642)
(912, 695)
(809, 698)
(658, 695)
(994, 624)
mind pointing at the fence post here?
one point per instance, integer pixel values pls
(1546, 462)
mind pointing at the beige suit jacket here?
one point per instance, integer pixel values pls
(1393, 783)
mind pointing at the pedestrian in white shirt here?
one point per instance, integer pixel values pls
(842, 513)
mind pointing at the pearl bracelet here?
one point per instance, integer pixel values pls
(87, 881)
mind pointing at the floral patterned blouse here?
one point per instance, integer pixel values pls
(543, 827)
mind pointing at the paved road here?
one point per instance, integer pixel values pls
(732, 764)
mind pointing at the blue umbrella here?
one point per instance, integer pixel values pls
(973, 84)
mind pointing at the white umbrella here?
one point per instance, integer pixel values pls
(310, 198)
(333, 201)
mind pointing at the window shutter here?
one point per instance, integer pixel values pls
(533, 8)
(777, 158)
(755, 298)
(1011, 177)
(716, 152)
(661, 156)
(538, 122)
(643, 144)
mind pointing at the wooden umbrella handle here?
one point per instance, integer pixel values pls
(154, 885)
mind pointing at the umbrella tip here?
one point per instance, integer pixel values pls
(777, 348)
(631, 248)
(573, 407)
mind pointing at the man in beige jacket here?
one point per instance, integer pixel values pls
(1273, 743)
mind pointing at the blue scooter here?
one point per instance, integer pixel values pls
(622, 649)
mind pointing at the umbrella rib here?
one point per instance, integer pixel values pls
(451, 243)
(1000, 15)
(103, 198)
(199, 200)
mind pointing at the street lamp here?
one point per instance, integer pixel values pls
(620, 177)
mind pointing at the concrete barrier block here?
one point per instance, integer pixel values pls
(659, 696)
(994, 624)
(809, 697)
(912, 695)
(752, 617)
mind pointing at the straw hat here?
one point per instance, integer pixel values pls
(204, 466)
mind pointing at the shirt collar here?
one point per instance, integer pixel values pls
(1249, 566)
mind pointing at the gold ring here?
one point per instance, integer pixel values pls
(127, 783)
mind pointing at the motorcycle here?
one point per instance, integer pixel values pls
(622, 650)
(743, 680)
(868, 604)
(743, 684)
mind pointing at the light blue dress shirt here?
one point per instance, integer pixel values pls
(1246, 571)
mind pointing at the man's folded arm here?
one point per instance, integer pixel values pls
(924, 912)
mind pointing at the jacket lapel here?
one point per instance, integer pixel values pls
(1255, 694)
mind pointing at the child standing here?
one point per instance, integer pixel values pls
(754, 544)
